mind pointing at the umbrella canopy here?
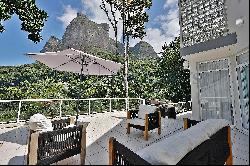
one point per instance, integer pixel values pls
(76, 61)
(72, 60)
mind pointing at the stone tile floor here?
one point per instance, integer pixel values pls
(13, 141)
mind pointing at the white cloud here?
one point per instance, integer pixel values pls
(171, 25)
(68, 15)
(168, 27)
(156, 38)
(170, 3)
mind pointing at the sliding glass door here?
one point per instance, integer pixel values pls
(214, 90)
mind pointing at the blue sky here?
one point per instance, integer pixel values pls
(162, 27)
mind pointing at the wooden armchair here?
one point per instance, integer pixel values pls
(63, 141)
(50, 147)
(146, 118)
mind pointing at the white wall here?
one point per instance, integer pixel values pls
(239, 9)
(235, 9)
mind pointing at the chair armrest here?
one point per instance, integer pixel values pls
(189, 123)
(131, 114)
(119, 154)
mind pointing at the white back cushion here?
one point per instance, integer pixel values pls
(203, 130)
(145, 109)
(39, 122)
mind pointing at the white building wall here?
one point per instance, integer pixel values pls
(194, 91)
(236, 9)
(239, 9)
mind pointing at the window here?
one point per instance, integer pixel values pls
(243, 87)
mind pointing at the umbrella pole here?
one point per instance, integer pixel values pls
(78, 98)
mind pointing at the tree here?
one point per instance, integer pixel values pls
(133, 15)
(143, 78)
(32, 18)
(174, 79)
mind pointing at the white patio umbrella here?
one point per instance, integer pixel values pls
(76, 61)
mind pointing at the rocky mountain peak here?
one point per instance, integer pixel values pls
(86, 35)
(143, 50)
(51, 45)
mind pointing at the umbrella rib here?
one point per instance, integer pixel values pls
(72, 59)
(103, 67)
(76, 61)
(93, 61)
(106, 68)
(86, 55)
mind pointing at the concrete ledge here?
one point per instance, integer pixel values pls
(210, 44)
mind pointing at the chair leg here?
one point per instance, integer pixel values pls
(159, 130)
(146, 127)
(128, 129)
(146, 134)
(159, 127)
(229, 160)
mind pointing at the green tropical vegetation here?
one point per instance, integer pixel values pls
(161, 78)
(29, 14)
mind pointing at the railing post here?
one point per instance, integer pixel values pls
(143, 101)
(128, 103)
(19, 111)
(60, 115)
(89, 107)
(72, 120)
(110, 105)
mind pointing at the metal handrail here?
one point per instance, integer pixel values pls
(61, 102)
(177, 105)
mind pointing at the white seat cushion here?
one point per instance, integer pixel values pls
(195, 135)
(166, 152)
(203, 130)
(136, 121)
(211, 126)
(145, 109)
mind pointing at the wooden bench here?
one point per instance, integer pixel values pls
(215, 150)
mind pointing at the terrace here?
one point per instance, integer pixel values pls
(102, 126)
(213, 43)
